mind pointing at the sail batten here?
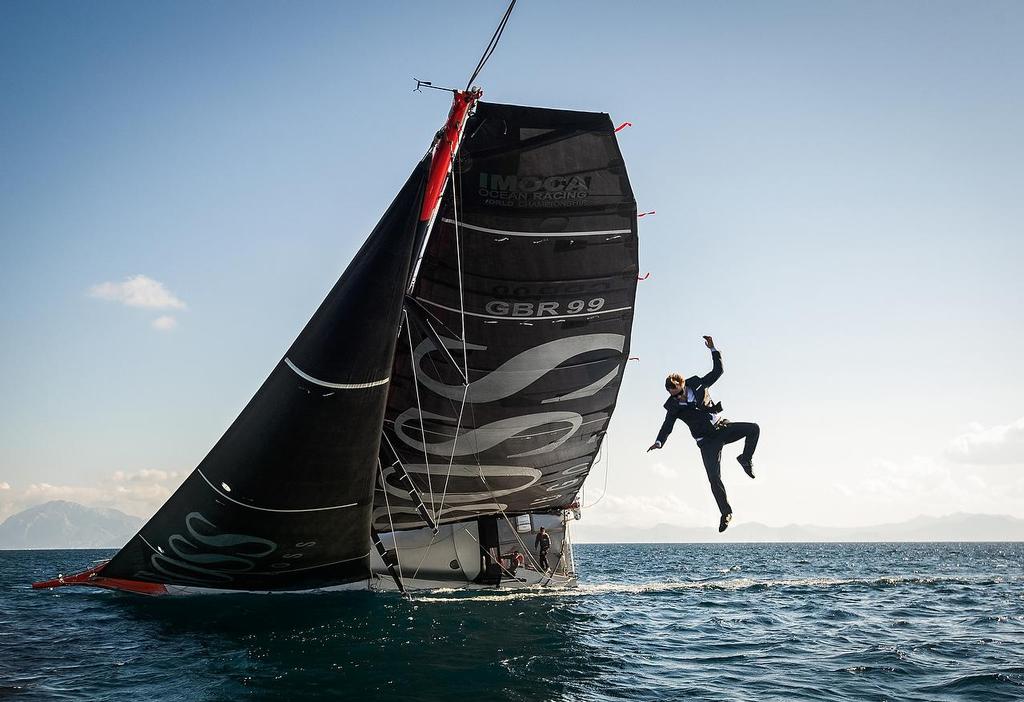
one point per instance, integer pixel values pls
(535, 234)
(336, 386)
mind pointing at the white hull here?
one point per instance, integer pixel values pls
(452, 560)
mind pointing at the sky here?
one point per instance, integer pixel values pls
(837, 189)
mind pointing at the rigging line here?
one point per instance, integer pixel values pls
(451, 401)
(465, 379)
(419, 406)
(458, 262)
(427, 553)
(492, 45)
(501, 509)
(458, 429)
(413, 490)
(515, 532)
(438, 513)
(465, 353)
(423, 315)
(425, 311)
(438, 340)
(607, 466)
(484, 551)
(387, 503)
(483, 480)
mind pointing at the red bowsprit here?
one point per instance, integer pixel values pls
(93, 578)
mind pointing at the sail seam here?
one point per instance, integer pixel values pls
(517, 319)
(270, 509)
(508, 232)
(335, 386)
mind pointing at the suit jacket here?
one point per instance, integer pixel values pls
(696, 414)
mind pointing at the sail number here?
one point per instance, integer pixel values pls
(507, 308)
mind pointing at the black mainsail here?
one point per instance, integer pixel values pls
(283, 500)
(518, 335)
(464, 366)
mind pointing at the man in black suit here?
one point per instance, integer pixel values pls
(691, 402)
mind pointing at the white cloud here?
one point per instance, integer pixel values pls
(137, 291)
(663, 471)
(144, 475)
(999, 445)
(5, 486)
(925, 485)
(165, 323)
(140, 493)
(920, 479)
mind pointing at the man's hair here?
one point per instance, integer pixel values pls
(674, 380)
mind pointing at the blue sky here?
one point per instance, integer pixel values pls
(838, 195)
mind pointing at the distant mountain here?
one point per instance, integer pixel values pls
(61, 524)
(952, 527)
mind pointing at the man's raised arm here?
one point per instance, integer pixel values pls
(716, 357)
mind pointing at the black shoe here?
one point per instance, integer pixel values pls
(723, 523)
(748, 465)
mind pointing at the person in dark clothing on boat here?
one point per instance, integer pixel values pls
(543, 545)
(691, 402)
(515, 561)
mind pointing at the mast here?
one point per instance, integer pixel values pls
(446, 145)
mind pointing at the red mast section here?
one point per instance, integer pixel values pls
(445, 146)
(444, 150)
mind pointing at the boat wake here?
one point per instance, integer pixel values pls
(662, 587)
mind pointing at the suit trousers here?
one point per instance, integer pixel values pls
(711, 452)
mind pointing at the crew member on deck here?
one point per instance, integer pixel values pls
(691, 402)
(515, 561)
(543, 544)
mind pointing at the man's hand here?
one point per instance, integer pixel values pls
(655, 445)
(709, 342)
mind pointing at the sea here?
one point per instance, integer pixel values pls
(900, 621)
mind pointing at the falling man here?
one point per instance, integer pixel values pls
(690, 401)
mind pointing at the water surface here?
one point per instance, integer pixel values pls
(648, 622)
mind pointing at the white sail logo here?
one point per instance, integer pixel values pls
(523, 369)
(477, 440)
(214, 557)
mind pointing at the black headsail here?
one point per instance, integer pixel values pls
(518, 324)
(284, 499)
